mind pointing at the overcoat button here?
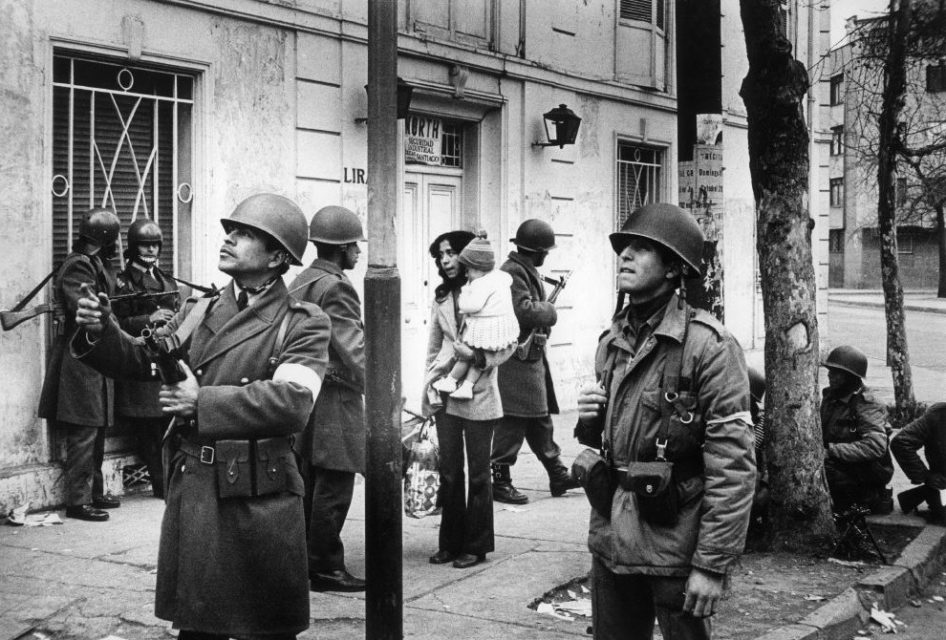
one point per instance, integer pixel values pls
(244, 380)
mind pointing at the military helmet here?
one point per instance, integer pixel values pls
(99, 228)
(667, 225)
(534, 235)
(276, 215)
(335, 225)
(847, 358)
(143, 231)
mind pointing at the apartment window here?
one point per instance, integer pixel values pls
(651, 11)
(836, 241)
(900, 191)
(936, 78)
(466, 21)
(639, 179)
(837, 192)
(122, 139)
(837, 141)
(905, 243)
(837, 89)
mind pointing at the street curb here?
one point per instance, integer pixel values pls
(879, 304)
(890, 587)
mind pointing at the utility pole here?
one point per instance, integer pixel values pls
(384, 594)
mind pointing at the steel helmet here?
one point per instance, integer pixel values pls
(99, 228)
(847, 358)
(144, 230)
(667, 225)
(276, 215)
(335, 225)
(534, 235)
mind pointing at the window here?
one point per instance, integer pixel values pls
(837, 141)
(653, 11)
(936, 78)
(638, 178)
(433, 141)
(836, 241)
(837, 192)
(466, 21)
(122, 139)
(900, 191)
(837, 89)
(905, 242)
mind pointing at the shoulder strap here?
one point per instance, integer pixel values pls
(280, 341)
(672, 376)
(311, 281)
(194, 318)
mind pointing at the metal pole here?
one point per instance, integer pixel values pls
(384, 594)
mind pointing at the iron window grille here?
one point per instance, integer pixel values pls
(639, 178)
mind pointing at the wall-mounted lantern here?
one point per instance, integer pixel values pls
(561, 127)
(404, 94)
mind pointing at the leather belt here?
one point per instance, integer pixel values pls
(204, 453)
(681, 472)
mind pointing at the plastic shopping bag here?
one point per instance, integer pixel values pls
(422, 474)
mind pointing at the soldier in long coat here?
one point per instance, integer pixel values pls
(77, 400)
(333, 447)
(136, 403)
(232, 555)
(525, 382)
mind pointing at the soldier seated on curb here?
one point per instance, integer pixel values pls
(857, 459)
(927, 431)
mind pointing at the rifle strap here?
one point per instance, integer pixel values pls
(32, 294)
(194, 318)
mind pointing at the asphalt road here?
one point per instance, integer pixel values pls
(865, 328)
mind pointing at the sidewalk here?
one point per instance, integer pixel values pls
(91, 580)
(925, 300)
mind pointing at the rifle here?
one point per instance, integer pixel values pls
(165, 359)
(16, 315)
(535, 338)
(119, 302)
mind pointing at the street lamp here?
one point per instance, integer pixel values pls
(404, 94)
(561, 127)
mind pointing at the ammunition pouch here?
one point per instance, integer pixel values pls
(593, 475)
(246, 468)
(654, 490)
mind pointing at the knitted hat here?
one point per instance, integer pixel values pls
(478, 254)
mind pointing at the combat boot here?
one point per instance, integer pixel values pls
(503, 491)
(882, 502)
(560, 480)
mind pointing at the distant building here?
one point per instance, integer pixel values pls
(854, 102)
(178, 110)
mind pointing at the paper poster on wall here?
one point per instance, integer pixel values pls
(422, 143)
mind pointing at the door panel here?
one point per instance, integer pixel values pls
(430, 206)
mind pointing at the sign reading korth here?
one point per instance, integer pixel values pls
(422, 140)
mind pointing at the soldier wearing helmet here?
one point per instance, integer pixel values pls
(671, 391)
(77, 400)
(136, 403)
(854, 425)
(525, 383)
(232, 556)
(333, 445)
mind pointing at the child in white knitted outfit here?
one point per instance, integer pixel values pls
(489, 321)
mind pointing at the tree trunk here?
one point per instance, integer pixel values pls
(773, 91)
(889, 143)
(941, 243)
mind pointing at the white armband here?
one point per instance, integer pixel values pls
(300, 374)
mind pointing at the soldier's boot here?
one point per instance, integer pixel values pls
(560, 480)
(912, 498)
(882, 502)
(503, 491)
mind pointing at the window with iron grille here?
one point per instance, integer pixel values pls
(836, 241)
(837, 89)
(900, 189)
(837, 141)
(653, 11)
(837, 192)
(638, 178)
(122, 140)
(451, 144)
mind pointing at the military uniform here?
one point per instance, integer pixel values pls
(234, 565)
(78, 400)
(137, 402)
(525, 386)
(857, 458)
(333, 446)
(641, 568)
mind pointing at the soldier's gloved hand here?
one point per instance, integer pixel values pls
(180, 399)
(703, 591)
(92, 311)
(592, 400)
(161, 316)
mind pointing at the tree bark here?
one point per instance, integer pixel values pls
(773, 91)
(889, 144)
(941, 244)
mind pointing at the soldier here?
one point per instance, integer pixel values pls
(670, 412)
(77, 400)
(857, 459)
(231, 560)
(137, 402)
(333, 446)
(525, 383)
(928, 432)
